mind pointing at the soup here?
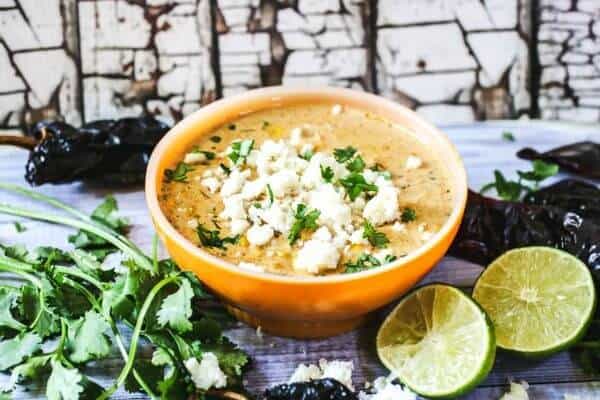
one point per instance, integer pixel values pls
(310, 189)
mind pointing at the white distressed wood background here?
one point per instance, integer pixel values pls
(452, 60)
(274, 359)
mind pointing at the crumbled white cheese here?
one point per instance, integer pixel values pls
(212, 184)
(336, 110)
(305, 373)
(277, 217)
(316, 256)
(234, 208)
(413, 162)
(334, 209)
(357, 237)
(195, 158)
(312, 177)
(234, 182)
(518, 391)
(253, 189)
(192, 223)
(250, 267)
(259, 235)
(341, 371)
(207, 373)
(283, 182)
(383, 207)
(322, 234)
(385, 390)
(238, 226)
(398, 227)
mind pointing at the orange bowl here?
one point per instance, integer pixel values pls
(303, 307)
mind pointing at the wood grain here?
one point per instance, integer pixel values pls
(482, 148)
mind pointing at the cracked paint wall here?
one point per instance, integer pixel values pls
(451, 60)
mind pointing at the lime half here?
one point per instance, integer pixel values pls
(438, 342)
(540, 299)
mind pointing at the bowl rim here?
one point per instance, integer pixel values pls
(274, 94)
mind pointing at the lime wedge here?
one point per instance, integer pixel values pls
(541, 300)
(437, 341)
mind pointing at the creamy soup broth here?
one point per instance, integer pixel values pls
(195, 199)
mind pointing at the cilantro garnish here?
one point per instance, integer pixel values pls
(270, 193)
(326, 173)
(304, 220)
(514, 190)
(345, 154)
(408, 215)
(355, 184)
(211, 238)
(375, 237)
(67, 310)
(363, 262)
(225, 169)
(307, 155)
(240, 150)
(215, 139)
(19, 227)
(179, 174)
(508, 136)
(357, 164)
(210, 155)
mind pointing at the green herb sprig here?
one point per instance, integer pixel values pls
(71, 311)
(366, 261)
(355, 184)
(376, 238)
(179, 174)
(303, 220)
(515, 190)
(240, 150)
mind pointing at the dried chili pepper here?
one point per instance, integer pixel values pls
(564, 215)
(582, 158)
(318, 389)
(110, 151)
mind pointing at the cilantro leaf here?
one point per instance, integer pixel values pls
(408, 215)
(210, 155)
(19, 227)
(225, 169)
(541, 170)
(8, 300)
(508, 136)
(176, 309)
(85, 261)
(179, 174)
(87, 339)
(106, 214)
(345, 154)
(270, 193)
(231, 359)
(240, 150)
(356, 165)
(507, 190)
(355, 184)
(326, 173)
(14, 351)
(364, 261)
(64, 383)
(211, 238)
(375, 238)
(307, 155)
(303, 220)
(30, 369)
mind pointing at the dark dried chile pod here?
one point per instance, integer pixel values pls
(318, 389)
(62, 155)
(552, 217)
(110, 151)
(582, 158)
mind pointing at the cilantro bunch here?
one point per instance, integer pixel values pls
(74, 308)
(528, 181)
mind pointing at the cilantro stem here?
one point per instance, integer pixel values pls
(69, 210)
(19, 268)
(109, 236)
(79, 274)
(136, 335)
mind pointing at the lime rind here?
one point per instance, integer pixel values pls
(438, 342)
(540, 299)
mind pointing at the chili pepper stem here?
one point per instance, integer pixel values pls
(23, 142)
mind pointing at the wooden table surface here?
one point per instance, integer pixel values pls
(483, 149)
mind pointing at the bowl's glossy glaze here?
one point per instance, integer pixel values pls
(298, 306)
